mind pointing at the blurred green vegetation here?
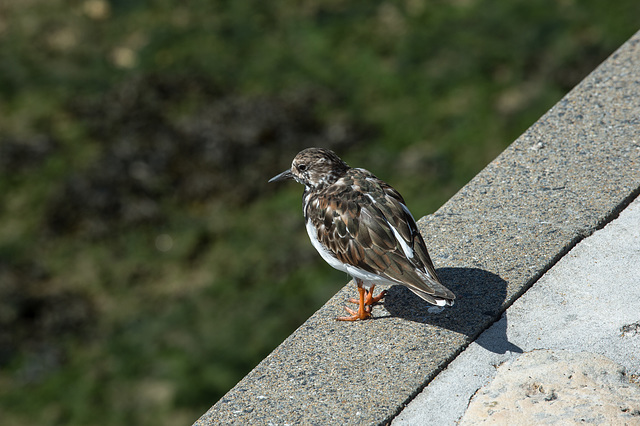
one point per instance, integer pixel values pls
(145, 264)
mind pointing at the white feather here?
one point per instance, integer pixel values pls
(408, 251)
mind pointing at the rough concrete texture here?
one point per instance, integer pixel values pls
(568, 175)
(588, 302)
(556, 387)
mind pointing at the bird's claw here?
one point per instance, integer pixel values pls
(366, 303)
(359, 315)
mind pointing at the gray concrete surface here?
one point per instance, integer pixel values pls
(588, 302)
(563, 179)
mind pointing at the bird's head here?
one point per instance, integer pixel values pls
(314, 168)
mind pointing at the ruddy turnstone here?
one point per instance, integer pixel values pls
(361, 225)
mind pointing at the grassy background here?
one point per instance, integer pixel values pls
(145, 264)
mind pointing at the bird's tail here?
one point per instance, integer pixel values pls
(434, 293)
(434, 300)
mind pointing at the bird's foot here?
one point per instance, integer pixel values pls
(365, 304)
(369, 299)
(363, 312)
(360, 314)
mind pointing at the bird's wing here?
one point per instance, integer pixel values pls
(376, 234)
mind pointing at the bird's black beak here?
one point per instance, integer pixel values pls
(282, 176)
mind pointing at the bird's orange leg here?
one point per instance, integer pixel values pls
(363, 312)
(369, 300)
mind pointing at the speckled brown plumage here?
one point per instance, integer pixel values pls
(361, 225)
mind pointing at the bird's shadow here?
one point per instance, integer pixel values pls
(479, 298)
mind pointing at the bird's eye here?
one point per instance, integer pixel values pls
(302, 167)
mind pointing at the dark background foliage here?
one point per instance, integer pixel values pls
(145, 264)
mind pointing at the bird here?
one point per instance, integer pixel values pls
(361, 225)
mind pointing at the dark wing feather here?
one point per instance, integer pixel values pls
(410, 233)
(358, 232)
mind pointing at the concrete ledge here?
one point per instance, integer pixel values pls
(585, 310)
(568, 175)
